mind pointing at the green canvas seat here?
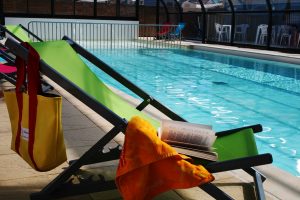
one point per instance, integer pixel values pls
(237, 145)
(236, 148)
(55, 54)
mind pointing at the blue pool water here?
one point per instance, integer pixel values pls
(223, 91)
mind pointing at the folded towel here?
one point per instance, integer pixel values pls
(149, 166)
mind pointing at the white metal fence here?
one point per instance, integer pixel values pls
(104, 35)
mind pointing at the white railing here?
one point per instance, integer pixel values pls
(104, 35)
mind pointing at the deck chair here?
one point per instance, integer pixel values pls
(164, 30)
(6, 72)
(8, 75)
(69, 75)
(18, 31)
(177, 34)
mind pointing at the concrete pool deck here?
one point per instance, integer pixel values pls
(83, 127)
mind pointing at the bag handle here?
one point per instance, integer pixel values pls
(33, 88)
(20, 86)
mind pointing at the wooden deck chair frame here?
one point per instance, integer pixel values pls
(61, 187)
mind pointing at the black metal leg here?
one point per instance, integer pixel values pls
(253, 173)
(258, 182)
(260, 195)
(59, 182)
(215, 192)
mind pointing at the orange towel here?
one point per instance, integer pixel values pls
(149, 166)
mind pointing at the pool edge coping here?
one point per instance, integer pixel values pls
(246, 52)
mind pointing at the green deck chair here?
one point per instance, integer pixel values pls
(19, 32)
(55, 54)
(72, 74)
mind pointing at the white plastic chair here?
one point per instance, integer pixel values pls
(285, 32)
(241, 32)
(275, 34)
(222, 32)
(261, 34)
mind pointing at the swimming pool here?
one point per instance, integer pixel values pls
(221, 90)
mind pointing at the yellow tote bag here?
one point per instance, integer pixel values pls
(35, 118)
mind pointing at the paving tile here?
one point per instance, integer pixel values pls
(82, 137)
(4, 113)
(5, 150)
(4, 119)
(69, 110)
(5, 144)
(222, 175)
(14, 167)
(76, 122)
(100, 121)
(5, 127)
(20, 189)
(82, 107)
(106, 195)
(172, 195)
(237, 189)
(231, 186)
(194, 193)
(76, 152)
(108, 172)
(115, 195)
(105, 126)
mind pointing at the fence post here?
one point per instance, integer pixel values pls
(110, 36)
(72, 31)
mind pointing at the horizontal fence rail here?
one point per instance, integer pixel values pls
(109, 36)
